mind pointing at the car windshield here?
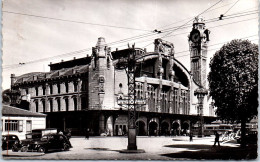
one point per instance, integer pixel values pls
(28, 136)
(45, 138)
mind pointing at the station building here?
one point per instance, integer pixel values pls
(83, 92)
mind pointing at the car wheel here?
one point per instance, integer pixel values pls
(14, 149)
(66, 147)
(24, 149)
(41, 149)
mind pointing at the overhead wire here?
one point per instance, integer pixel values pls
(189, 20)
(127, 39)
(231, 7)
(88, 49)
(84, 50)
(73, 21)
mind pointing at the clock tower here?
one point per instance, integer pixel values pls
(198, 42)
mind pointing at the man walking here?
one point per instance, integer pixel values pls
(191, 136)
(216, 139)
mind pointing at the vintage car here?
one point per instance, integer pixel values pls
(8, 141)
(34, 136)
(48, 142)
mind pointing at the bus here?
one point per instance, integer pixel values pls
(209, 129)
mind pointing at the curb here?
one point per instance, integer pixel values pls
(22, 154)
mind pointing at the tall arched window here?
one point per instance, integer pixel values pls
(67, 87)
(36, 106)
(58, 104)
(75, 84)
(67, 104)
(43, 105)
(51, 89)
(75, 103)
(43, 90)
(58, 87)
(51, 105)
(36, 91)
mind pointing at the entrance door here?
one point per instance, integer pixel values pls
(140, 127)
(153, 129)
(165, 129)
(28, 126)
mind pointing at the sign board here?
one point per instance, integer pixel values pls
(125, 101)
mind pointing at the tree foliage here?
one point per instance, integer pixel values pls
(6, 98)
(233, 80)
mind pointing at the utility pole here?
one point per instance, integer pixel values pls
(129, 65)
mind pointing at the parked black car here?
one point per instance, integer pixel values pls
(8, 141)
(250, 138)
(46, 143)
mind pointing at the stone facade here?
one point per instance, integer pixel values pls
(83, 93)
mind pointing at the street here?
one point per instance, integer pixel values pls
(156, 148)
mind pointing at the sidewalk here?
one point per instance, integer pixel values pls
(156, 148)
(20, 154)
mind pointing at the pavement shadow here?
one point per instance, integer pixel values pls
(100, 149)
(189, 146)
(214, 153)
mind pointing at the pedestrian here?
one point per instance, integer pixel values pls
(216, 139)
(87, 134)
(191, 136)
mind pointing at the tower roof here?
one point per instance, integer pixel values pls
(101, 42)
(199, 20)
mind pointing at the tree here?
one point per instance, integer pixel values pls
(233, 82)
(6, 98)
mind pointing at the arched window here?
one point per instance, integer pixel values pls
(43, 105)
(51, 105)
(75, 84)
(36, 91)
(58, 87)
(67, 104)
(36, 106)
(43, 90)
(67, 87)
(51, 89)
(75, 103)
(58, 104)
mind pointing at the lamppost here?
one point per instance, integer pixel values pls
(200, 93)
(129, 65)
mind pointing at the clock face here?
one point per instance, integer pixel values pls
(195, 37)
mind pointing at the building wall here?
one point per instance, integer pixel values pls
(36, 123)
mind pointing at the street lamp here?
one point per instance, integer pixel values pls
(200, 93)
(127, 61)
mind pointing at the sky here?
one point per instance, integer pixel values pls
(37, 32)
